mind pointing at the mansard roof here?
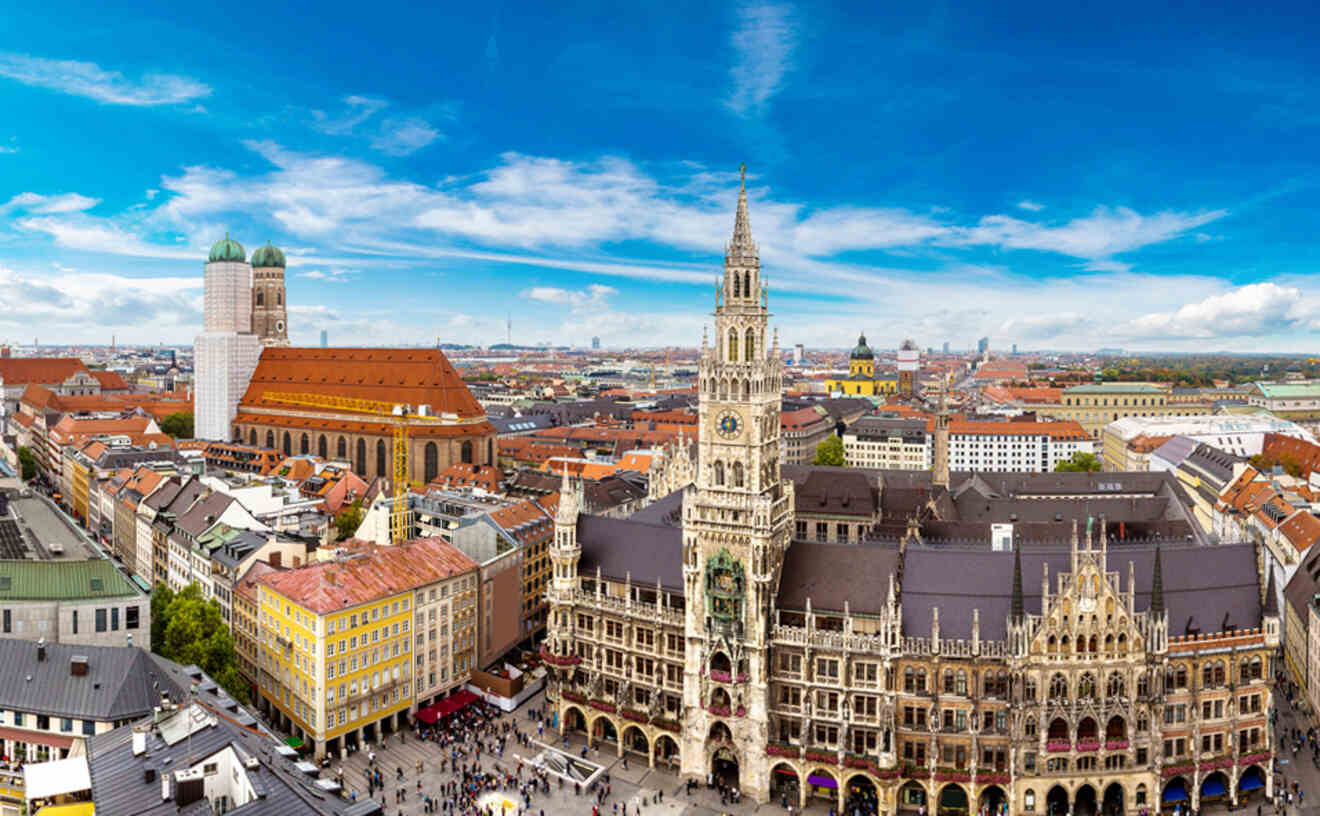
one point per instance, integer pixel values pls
(830, 575)
(1205, 589)
(625, 548)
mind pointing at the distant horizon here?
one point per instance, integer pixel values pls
(1040, 175)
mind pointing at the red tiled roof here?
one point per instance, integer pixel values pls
(70, 426)
(246, 587)
(512, 518)
(1040, 395)
(109, 380)
(1302, 530)
(369, 574)
(410, 376)
(39, 370)
(1057, 431)
(486, 477)
(308, 423)
(801, 418)
(1307, 454)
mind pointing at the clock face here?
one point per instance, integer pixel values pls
(728, 424)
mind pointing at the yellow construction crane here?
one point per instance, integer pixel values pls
(396, 415)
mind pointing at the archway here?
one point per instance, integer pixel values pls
(322, 447)
(1058, 730)
(666, 751)
(1087, 730)
(1113, 804)
(1056, 801)
(634, 739)
(304, 444)
(911, 797)
(1175, 791)
(861, 797)
(785, 787)
(288, 444)
(1214, 788)
(602, 730)
(953, 800)
(724, 768)
(1085, 803)
(574, 721)
(719, 664)
(1251, 782)
(719, 702)
(431, 463)
(719, 732)
(1116, 729)
(822, 785)
(992, 802)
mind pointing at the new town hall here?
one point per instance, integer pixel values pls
(853, 636)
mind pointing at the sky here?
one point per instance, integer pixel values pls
(1138, 176)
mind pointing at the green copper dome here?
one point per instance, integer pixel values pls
(267, 255)
(863, 351)
(227, 250)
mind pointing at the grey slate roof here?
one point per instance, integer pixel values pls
(832, 574)
(118, 684)
(1204, 588)
(624, 547)
(834, 491)
(1176, 449)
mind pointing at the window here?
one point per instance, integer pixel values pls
(88, 728)
(100, 620)
(114, 619)
(66, 725)
(75, 622)
(8, 623)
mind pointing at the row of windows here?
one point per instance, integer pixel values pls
(41, 722)
(105, 619)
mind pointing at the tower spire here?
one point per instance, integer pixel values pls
(742, 227)
(1019, 606)
(1157, 586)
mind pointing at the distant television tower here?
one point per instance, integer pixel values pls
(508, 330)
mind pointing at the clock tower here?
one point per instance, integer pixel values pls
(736, 523)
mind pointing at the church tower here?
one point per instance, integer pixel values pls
(270, 319)
(736, 524)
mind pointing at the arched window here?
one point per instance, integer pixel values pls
(431, 467)
(737, 284)
(1058, 687)
(746, 389)
(288, 443)
(490, 452)
(948, 681)
(749, 345)
(361, 457)
(719, 473)
(1030, 727)
(733, 345)
(1086, 688)
(322, 449)
(724, 389)
(252, 437)
(261, 299)
(737, 474)
(270, 439)
(380, 457)
(1115, 687)
(341, 449)
(279, 298)
(961, 687)
(465, 452)
(304, 444)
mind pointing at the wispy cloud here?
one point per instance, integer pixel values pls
(48, 204)
(399, 137)
(763, 44)
(359, 109)
(89, 80)
(592, 298)
(1032, 206)
(1252, 310)
(333, 275)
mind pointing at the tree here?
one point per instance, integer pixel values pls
(27, 462)
(193, 632)
(349, 520)
(178, 425)
(1079, 463)
(829, 451)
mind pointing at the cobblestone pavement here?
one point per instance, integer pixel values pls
(636, 786)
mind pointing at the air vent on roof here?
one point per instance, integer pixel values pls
(98, 585)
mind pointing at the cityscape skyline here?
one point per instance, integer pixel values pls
(569, 176)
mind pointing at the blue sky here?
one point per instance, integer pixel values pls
(1140, 176)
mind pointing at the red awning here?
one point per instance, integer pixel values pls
(447, 706)
(36, 738)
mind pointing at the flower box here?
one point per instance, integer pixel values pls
(719, 711)
(719, 676)
(574, 696)
(946, 775)
(827, 757)
(742, 678)
(602, 705)
(1253, 758)
(780, 750)
(993, 778)
(559, 660)
(668, 725)
(1058, 746)
(913, 772)
(1088, 745)
(740, 712)
(1115, 745)
(853, 761)
(885, 773)
(634, 715)
(1216, 764)
(1177, 770)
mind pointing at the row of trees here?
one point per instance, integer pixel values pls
(188, 629)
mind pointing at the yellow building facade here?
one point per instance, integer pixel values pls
(862, 380)
(1095, 406)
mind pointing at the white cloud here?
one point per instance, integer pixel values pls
(399, 137)
(1044, 326)
(1254, 310)
(1096, 238)
(38, 204)
(78, 303)
(95, 235)
(593, 298)
(360, 109)
(763, 43)
(332, 275)
(90, 80)
(4, 149)
(1027, 204)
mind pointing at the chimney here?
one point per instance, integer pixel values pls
(139, 742)
(41, 650)
(78, 666)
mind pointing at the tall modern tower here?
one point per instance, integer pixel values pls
(225, 353)
(735, 530)
(270, 318)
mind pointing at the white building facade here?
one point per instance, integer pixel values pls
(225, 353)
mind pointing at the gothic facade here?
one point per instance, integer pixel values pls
(901, 676)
